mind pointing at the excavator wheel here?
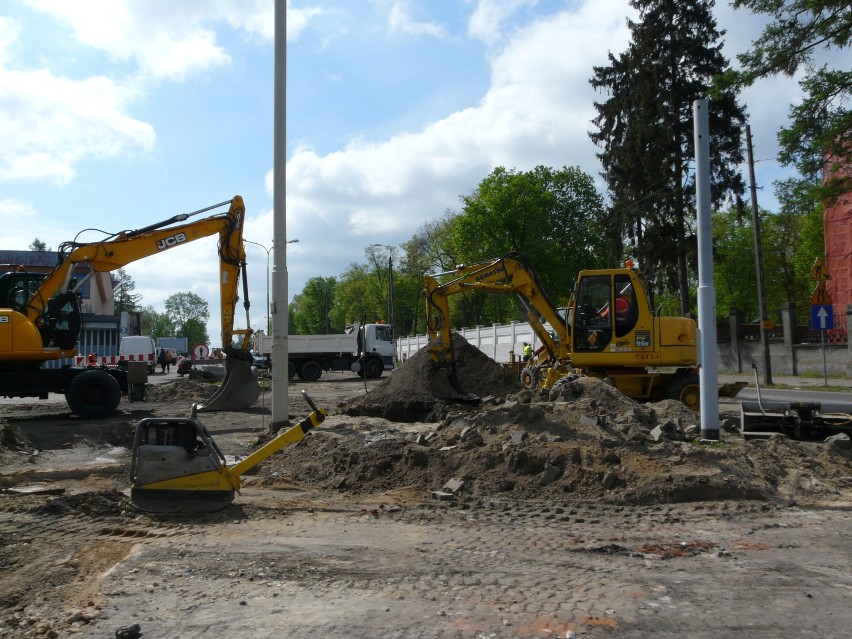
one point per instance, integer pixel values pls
(529, 377)
(686, 390)
(93, 394)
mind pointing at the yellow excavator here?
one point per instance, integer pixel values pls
(40, 315)
(607, 330)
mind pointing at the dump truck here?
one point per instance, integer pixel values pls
(365, 349)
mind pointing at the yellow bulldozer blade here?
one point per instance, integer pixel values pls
(238, 391)
(444, 384)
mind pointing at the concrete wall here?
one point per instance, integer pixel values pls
(785, 357)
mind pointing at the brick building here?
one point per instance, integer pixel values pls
(837, 223)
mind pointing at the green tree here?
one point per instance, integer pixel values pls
(790, 241)
(38, 245)
(645, 129)
(543, 214)
(356, 298)
(821, 125)
(125, 298)
(189, 314)
(313, 307)
(156, 324)
(733, 263)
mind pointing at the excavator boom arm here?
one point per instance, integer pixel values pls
(117, 252)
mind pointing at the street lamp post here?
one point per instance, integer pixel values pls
(268, 309)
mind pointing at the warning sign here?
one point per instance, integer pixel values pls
(820, 296)
(819, 274)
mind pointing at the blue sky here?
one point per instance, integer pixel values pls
(117, 114)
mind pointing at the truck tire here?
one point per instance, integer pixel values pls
(93, 394)
(375, 368)
(685, 388)
(310, 371)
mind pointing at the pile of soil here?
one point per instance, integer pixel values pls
(582, 439)
(405, 395)
(181, 390)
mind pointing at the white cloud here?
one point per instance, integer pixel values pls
(486, 22)
(51, 123)
(9, 31)
(537, 110)
(14, 209)
(400, 20)
(167, 39)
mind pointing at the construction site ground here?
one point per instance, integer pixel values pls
(530, 514)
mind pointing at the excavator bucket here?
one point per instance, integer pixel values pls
(444, 384)
(238, 391)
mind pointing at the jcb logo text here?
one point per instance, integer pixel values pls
(172, 240)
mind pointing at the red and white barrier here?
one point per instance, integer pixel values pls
(111, 360)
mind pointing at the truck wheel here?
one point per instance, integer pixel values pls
(375, 368)
(311, 371)
(686, 390)
(93, 394)
(291, 370)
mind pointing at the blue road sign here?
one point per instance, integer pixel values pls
(822, 317)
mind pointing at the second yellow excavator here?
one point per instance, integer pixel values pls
(40, 315)
(607, 330)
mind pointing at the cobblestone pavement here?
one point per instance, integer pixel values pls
(511, 569)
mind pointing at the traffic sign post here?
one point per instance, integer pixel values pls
(822, 313)
(822, 317)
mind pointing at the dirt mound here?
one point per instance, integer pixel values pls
(405, 396)
(580, 440)
(180, 390)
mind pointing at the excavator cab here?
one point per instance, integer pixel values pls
(17, 287)
(607, 310)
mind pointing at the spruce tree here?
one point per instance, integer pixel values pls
(645, 131)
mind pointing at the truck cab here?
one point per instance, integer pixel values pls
(378, 340)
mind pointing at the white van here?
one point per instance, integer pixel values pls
(138, 348)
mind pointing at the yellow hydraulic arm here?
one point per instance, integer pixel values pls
(508, 274)
(128, 246)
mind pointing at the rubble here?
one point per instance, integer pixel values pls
(582, 439)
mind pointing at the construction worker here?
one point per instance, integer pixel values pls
(527, 352)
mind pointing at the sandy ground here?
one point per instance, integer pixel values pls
(363, 529)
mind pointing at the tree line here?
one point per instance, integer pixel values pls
(644, 132)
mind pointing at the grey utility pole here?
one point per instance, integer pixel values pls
(758, 258)
(706, 290)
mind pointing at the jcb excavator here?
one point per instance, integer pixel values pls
(40, 317)
(608, 330)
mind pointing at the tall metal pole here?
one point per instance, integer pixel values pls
(709, 374)
(758, 258)
(279, 310)
(390, 290)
